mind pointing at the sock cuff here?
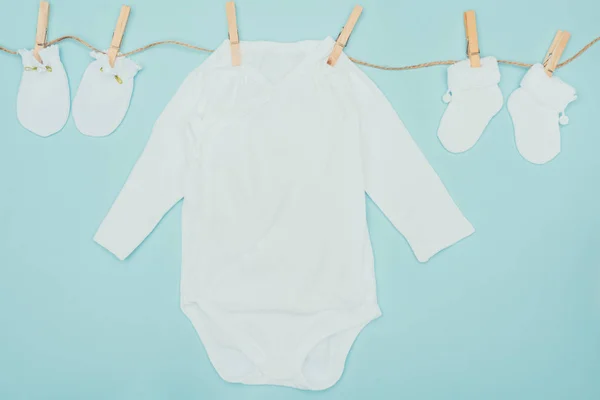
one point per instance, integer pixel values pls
(462, 76)
(549, 91)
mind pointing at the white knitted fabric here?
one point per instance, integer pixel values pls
(104, 94)
(535, 109)
(474, 98)
(43, 101)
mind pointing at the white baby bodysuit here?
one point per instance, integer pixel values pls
(273, 159)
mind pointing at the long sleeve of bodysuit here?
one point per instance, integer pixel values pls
(400, 180)
(155, 183)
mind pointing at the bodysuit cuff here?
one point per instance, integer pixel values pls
(442, 239)
(110, 244)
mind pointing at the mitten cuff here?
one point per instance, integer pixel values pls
(125, 69)
(50, 56)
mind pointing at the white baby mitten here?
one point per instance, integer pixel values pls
(535, 109)
(474, 98)
(43, 101)
(103, 96)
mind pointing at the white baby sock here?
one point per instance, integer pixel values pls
(474, 98)
(103, 96)
(43, 101)
(535, 108)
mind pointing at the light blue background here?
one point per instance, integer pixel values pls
(513, 312)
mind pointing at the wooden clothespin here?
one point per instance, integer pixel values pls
(344, 35)
(42, 29)
(117, 38)
(555, 51)
(234, 40)
(472, 40)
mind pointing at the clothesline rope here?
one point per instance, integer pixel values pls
(357, 61)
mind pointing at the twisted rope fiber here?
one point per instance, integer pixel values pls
(357, 61)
